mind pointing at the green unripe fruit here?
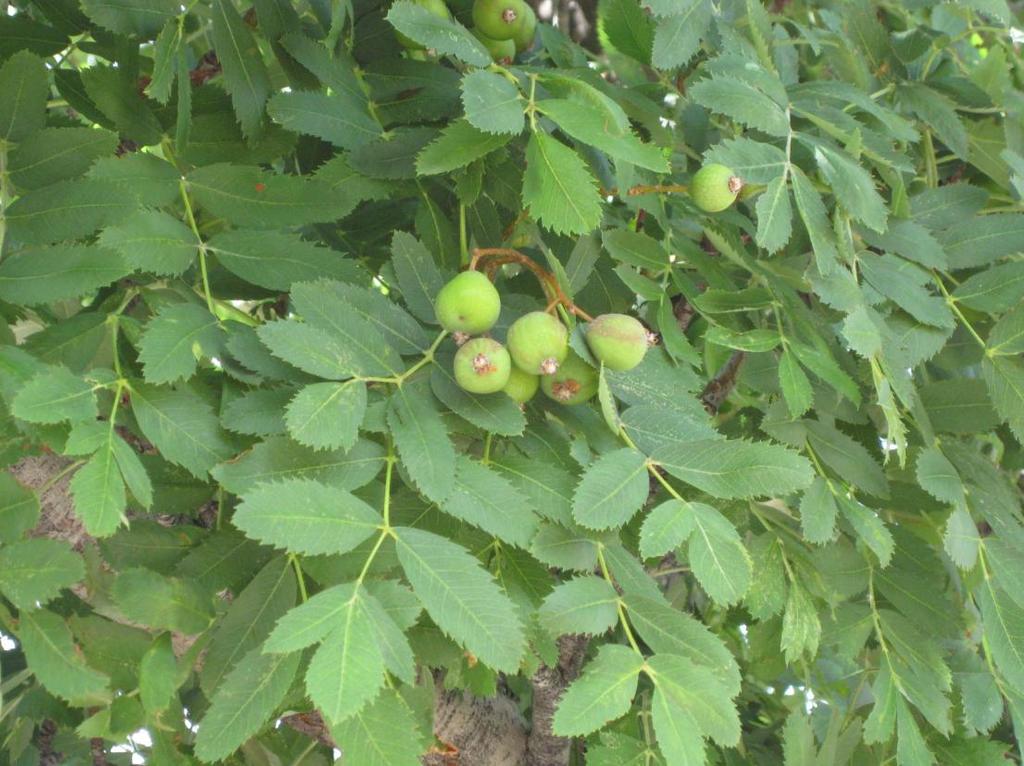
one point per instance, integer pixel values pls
(714, 187)
(617, 340)
(469, 303)
(524, 37)
(538, 343)
(499, 19)
(521, 385)
(502, 51)
(436, 7)
(574, 383)
(482, 366)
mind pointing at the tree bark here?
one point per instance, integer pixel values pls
(543, 747)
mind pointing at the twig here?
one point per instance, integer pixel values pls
(543, 748)
(719, 387)
(497, 256)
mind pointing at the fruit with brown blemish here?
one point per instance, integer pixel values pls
(469, 304)
(574, 383)
(617, 340)
(538, 342)
(714, 187)
(499, 19)
(523, 39)
(502, 51)
(482, 366)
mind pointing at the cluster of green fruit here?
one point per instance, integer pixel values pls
(505, 27)
(538, 353)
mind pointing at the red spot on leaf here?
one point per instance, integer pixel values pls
(261, 187)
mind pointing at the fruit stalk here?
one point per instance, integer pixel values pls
(497, 256)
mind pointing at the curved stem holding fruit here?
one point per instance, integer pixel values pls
(498, 256)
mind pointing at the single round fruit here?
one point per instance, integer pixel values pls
(617, 340)
(436, 7)
(502, 51)
(714, 187)
(524, 37)
(521, 385)
(538, 343)
(469, 303)
(499, 19)
(482, 366)
(574, 383)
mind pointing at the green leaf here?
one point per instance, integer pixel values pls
(1004, 377)
(850, 459)
(983, 239)
(938, 112)
(338, 118)
(911, 749)
(165, 55)
(55, 660)
(306, 516)
(166, 603)
(37, 570)
(248, 621)
(276, 260)
(368, 738)
(994, 290)
(774, 216)
(419, 278)
(548, 486)
(627, 28)
(54, 395)
(900, 281)
(19, 508)
(42, 275)
(309, 348)
(327, 415)
(493, 104)
(796, 388)
(742, 102)
(182, 425)
(677, 37)
(1004, 627)
(24, 89)
(717, 556)
(457, 145)
(558, 189)
(582, 605)
(602, 693)
(853, 187)
(20, 34)
(441, 34)
(280, 458)
(736, 469)
(696, 691)
(49, 155)
(130, 17)
(589, 123)
(151, 240)
(938, 477)
(67, 210)
(156, 182)
(962, 540)
(245, 75)
(812, 213)
(818, 512)
(486, 499)
(668, 630)
(328, 306)
(667, 526)
(679, 737)
(612, 489)
(310, 621)
(158, 672)
(754, 161)
(98, 490)
(869, 528)
(422, 440)
(383, 314)
(462, 598)
(636, 249)
(175, 338)
(250, 196)
(496, 413)
(245, 703)
(801, 629)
